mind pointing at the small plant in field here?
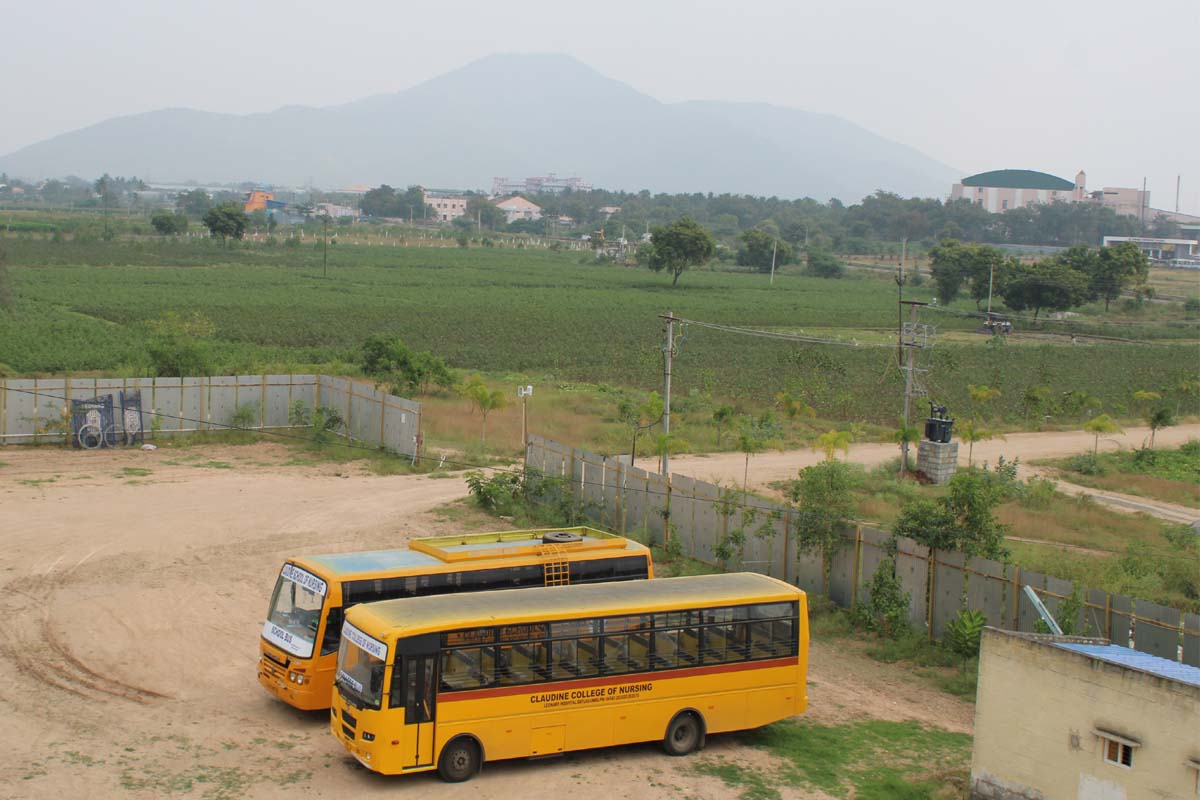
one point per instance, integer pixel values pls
(886, 612)
(325, 422)
(298, 415)
(244, 417)
(963, 633)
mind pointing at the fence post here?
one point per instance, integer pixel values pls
(349, 409)
(317, 394)
(1108, 616)
(262, 404)
(618, 497)
(571, 482)
(1016, 594)
(205, 388)
(382, 417)
(856, 569)
(787, 530)
(930, 597)
(3, 412)
(36, 398)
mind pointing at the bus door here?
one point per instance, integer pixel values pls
(418, 661)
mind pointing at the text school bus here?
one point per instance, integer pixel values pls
(451, 682)
(298, 649)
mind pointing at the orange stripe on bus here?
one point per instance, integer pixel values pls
(632, 677)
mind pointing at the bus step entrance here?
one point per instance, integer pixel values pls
(556, 569)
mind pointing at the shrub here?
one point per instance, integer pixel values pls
(886, 612)
(245, 416)
(963, 633)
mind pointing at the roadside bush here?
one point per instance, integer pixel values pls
(1087, 464)
(963, 633)
(245, 416)
(886, 612)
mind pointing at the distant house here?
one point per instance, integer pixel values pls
(447, 206)
(518, 208)
(257, 200)
(1068, 717)
(608, 211)
(335, 211)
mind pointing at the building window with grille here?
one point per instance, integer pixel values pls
(1116, 749)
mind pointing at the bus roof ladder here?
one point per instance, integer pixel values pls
(556, 569)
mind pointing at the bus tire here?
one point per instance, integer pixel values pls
(684, 734)
(459, 760)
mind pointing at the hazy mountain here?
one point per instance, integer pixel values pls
(513, 115)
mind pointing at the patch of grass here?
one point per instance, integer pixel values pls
(4, 464)
(867, 758)
(214, 465)
(36, 482)
(135, 472)
(751, 784)
(1170, 475)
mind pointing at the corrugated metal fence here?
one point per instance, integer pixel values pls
(627, 499)
(31, 410)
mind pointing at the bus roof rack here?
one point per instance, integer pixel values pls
(479, 546)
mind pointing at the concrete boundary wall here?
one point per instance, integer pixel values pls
(715, 527)
(31, 410)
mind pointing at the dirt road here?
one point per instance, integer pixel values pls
(133, 590)
(769, 467)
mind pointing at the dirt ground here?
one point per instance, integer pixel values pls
(770, 467)
(134, 588)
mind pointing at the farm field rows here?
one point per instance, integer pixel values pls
(83, 308)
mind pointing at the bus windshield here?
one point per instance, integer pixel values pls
(295, 613)
(361, 660)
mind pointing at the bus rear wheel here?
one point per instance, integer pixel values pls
(459, 761)
(683, 734)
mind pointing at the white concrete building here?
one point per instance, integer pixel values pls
(517, 208)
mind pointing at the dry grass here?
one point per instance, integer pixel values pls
(1181, 492)
(1080, 523)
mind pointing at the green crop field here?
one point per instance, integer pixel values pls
(82, 306)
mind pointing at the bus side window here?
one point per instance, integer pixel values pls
(333, 632)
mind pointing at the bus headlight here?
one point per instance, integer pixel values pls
(297, 678)
(368, 737)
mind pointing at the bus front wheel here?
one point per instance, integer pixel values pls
(683, 734)
(459, 761)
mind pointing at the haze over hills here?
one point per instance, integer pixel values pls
(513, 115)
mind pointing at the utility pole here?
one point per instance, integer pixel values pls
(325, 254)
(524, 392)
(668, 352)
(1178, 181)
(1142, 208)
(991, 276)
(910, 352)
(774, 250)
(900, 313)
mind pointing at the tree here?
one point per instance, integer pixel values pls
(971, 430)
(904, 436)
(1098, 426)
(824, 498)
(104, 190)
(824, 264)
(480, 211)
(761, 250)
(679, 245)
(721, 417)
(981, 396)
(948, 261)
(961, 520)
(1115, 268)
(1048, 284)
(227, 221)
(388, 360)
(640, 416)
(168, 224)
(1157, 419)
(830, 442)
(754, 436)
(485, 400)
(793, 406)
(195, 202)
(178, 345)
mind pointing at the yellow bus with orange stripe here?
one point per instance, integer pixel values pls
(448, 683)
(300, 637)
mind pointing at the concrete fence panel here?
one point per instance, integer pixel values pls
(987, 587)
(947, 592)
(1191, 639)
(872, 556)
(1120, 619)
(842, 567)
(912, 567)
(1156, 630)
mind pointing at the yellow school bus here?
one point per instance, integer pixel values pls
(447, 683)
(299, 644)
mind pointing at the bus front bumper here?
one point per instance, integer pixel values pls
(275, 680)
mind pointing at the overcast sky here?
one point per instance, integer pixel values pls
(1053, 85)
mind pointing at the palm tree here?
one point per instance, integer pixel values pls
(485, 400)
(832, 441)
(904, 436)
(972, 431)
(1098, 426)
(793, 406)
